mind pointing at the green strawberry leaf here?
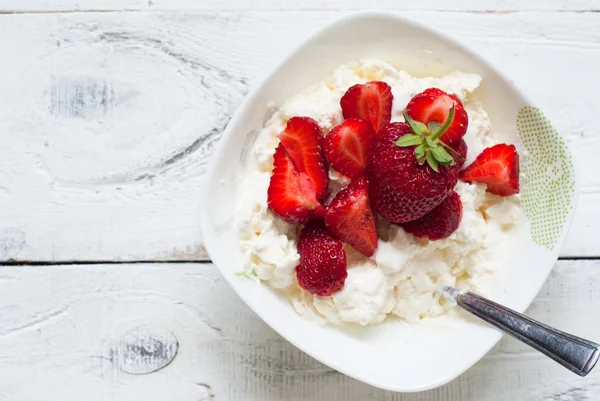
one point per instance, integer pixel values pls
(430, 143)
(449, 163)
(418, 127)
(432, 162)
(442, 156)
(420, 152)
(434, 126)
(452, 151)
(408, 140)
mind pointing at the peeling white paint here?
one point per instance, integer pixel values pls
(144, 350)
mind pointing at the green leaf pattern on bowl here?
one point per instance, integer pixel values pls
(547, 179)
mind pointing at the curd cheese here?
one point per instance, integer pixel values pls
(402, 276)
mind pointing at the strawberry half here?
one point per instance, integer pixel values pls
(431, 107)
(371, 101)
(322, 267)
(498, 167)
(291, 194)
(438, 224)
(347, 147)
(351, 218)
(302, 139)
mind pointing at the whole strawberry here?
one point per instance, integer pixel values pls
(440, 223)
(410, 171)
(322, 268)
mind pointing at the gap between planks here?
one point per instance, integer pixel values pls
(98, 262)
(173, 262)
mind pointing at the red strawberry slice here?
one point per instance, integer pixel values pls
(302, 139)
(291, 194)
(433, 105)
(351, 218)
(438, 224)
(498, 167)
(346, 147)
(371, 101)
(322, 268)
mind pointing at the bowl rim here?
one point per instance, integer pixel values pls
(238, 115)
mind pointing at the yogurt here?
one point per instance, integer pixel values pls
(402, 276)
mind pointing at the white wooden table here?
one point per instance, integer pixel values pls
(109, 111)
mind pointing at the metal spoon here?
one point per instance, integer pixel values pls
(574, 353)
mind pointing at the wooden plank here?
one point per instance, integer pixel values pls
(76, 332)
(108, 119)
(278, 5)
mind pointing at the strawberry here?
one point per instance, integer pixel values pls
(302, 140)
(461, 149)
(350, 217)
(408, 177)
(498, 167)
(371, 101)
(347, 145)
(322, 267)
(442, 221)
(431, 107)
(291, 195)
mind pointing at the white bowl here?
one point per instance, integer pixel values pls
(395, 355)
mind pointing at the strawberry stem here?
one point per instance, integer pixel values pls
(444, 127)
(426, 141)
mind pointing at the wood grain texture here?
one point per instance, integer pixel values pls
(109, 119)
(62, 327)
(254, 5)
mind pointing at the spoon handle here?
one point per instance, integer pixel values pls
(574, 353)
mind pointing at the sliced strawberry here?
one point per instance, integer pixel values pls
(371, 101)
(291, 195)
(302, 139)
(433, 106)
(498, 167)
(350, 217)
(322, 267)
(347, 145)
(438, 224)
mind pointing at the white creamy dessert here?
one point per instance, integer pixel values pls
(402, 276)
